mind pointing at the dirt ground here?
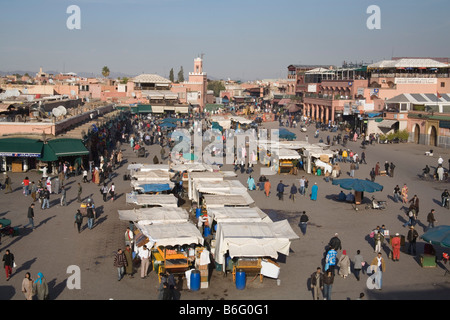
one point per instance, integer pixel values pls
(55, 244)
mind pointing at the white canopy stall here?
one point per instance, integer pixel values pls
(253, 240)
(237, 214)
(157, 215)
(163, 200)
(233, 200)
(173, 234)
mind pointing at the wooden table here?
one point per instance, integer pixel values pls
(249, 266)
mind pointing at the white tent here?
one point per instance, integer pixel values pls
(216, 201)
(163, 200)
(238, 214)
(152, 175)
(171, 234)
(155, 215)
(194, 177)
(288, 154)
(258, 239)
(138, 184)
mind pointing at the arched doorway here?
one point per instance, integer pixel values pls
(433, 136)
(416, 134)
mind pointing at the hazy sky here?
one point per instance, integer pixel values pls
(249, 39)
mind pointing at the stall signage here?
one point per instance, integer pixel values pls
(23, 155)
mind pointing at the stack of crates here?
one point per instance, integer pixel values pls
(204, 275)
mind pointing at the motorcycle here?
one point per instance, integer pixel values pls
(377, 204)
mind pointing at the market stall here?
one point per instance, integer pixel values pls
(287, 160)
(170, 245)
(216, 201)
(156, 215)
(249, 243)
(163, 200)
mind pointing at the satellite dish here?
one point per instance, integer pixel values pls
(56, 112)
(62, 110)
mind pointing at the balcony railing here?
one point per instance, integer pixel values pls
(327, 96)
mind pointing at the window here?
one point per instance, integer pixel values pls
(442, 84)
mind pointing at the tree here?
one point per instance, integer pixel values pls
(216, 86)
(105, 71)
(181, 75)
(124, 80)
(171, 76)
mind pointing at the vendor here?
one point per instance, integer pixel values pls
(350, 197)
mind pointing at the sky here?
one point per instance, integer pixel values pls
(246, 39)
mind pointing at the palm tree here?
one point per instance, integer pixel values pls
(105, 71)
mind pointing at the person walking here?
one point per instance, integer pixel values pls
(344, 265)
(330, 260)
(63, 201)
(317, 284)
(112, 191)
(380, 266)
(129, 237)
(144, 254)
(335, 242)
(30, 216)
(280, 190)
(391, 167)
(303, 222)
(352, 169)
(80, 190)
(27, 286)
(302, 186)
(327, 281)
(90, 216)
(46, 200)
(386, 167)
(33, 189)
(415, 202)
(397, 193)
(26, 186)
(104, 191)
(314, 191)
(372, 175)
(412, 239)
(85, 176)
(8, 263)
(267, 188)
(8, 183)
(78, 220)
(379, 238)
(358, 264)
(396, 245)
(410, 216)
(129, 270)
(405, 193)
(120, 262)
(293, 192)
(40, 287)
(431, 219)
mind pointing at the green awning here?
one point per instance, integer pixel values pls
(68, 147)
(48, 154)
(144, 108)
(20, 147)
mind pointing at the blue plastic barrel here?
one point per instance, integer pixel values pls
(240, 280)
(195, 280)
(198, 212)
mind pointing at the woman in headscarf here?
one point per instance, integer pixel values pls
(40, 287)
(27, 286)
(314, 191)
(49, 185)
(344, 264)
(97, 176)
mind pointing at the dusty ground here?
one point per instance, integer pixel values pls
(55, 244)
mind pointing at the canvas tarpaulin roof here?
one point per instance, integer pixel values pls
(68, 147)
(163, 200)
(238, 214)
(172, 234)
(154, 215)
(20, 147)
(215, 201)
(259, 239)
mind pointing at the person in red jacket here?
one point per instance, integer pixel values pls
(396, 244)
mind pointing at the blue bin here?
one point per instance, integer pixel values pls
(195, 280)
(198, 212)
(240, 280)
(206, 231)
